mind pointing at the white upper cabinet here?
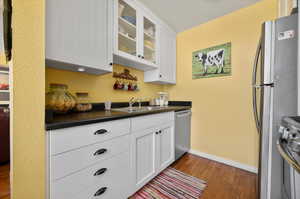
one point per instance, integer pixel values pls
(144, 42)
(166, 72)
(126, 29)
(79, 35)
(136, 36)
(149, 47)
(90, 35)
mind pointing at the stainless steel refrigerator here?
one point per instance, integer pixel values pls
(274, 96)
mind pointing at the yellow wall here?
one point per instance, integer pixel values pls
(2, 59)
(28, 100)
(222, 123)
(222, 106)
(100, 88)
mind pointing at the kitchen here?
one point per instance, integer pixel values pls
(223, 127)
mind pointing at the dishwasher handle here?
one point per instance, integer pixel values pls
(183, 114)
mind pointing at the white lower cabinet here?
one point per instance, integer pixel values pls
(165, 147)
(143, 156)
(116, 165)
(152, 149)
(90, 161)
(73, 161)
(110, 176)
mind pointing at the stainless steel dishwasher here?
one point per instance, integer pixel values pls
(182, 132)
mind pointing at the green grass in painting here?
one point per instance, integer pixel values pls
(198, 69)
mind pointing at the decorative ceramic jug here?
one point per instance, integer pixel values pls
(59, 99)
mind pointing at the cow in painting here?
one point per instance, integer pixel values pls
(212, 58)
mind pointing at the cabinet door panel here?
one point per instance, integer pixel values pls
(143, 156)
(166, 52)
(165, 147)
(165, 141)
(149, 36)
(77, 32)
(168, 56)
(163, 74)
(173, 56)
(133, 28)
(127, 35)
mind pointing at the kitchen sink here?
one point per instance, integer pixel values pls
(138, 109)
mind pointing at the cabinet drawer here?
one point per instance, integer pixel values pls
(113, 174)
(149, 121)
(71, 138)
(67, 163)
(114, 190)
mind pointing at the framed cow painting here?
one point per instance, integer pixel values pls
(212, 62)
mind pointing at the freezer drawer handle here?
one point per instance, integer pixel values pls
(101, 132)
(100, 191)
(100, 152)
(100, 172)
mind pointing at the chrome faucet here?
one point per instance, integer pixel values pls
(133, 100)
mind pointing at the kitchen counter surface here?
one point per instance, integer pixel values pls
(79, 119)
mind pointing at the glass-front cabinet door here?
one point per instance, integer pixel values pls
(136, 32)
(149, 40)
(127, 28)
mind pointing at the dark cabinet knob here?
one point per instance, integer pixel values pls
(160, 132)
(110, 63)
(139, 56)
(160, 75)
(156, 133)
(100, 132)
(143, 57)
(100, 191)
(100, 171)
(100, 152)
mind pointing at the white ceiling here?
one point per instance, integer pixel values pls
(184, 14)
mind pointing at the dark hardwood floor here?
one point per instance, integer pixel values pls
(4, 182)
(223, 182)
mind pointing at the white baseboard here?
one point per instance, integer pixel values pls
(225, 161)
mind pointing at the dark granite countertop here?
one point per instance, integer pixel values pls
(96, 116)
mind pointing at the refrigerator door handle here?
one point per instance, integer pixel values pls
(255, 86)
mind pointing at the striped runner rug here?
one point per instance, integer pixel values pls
(172, 184)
